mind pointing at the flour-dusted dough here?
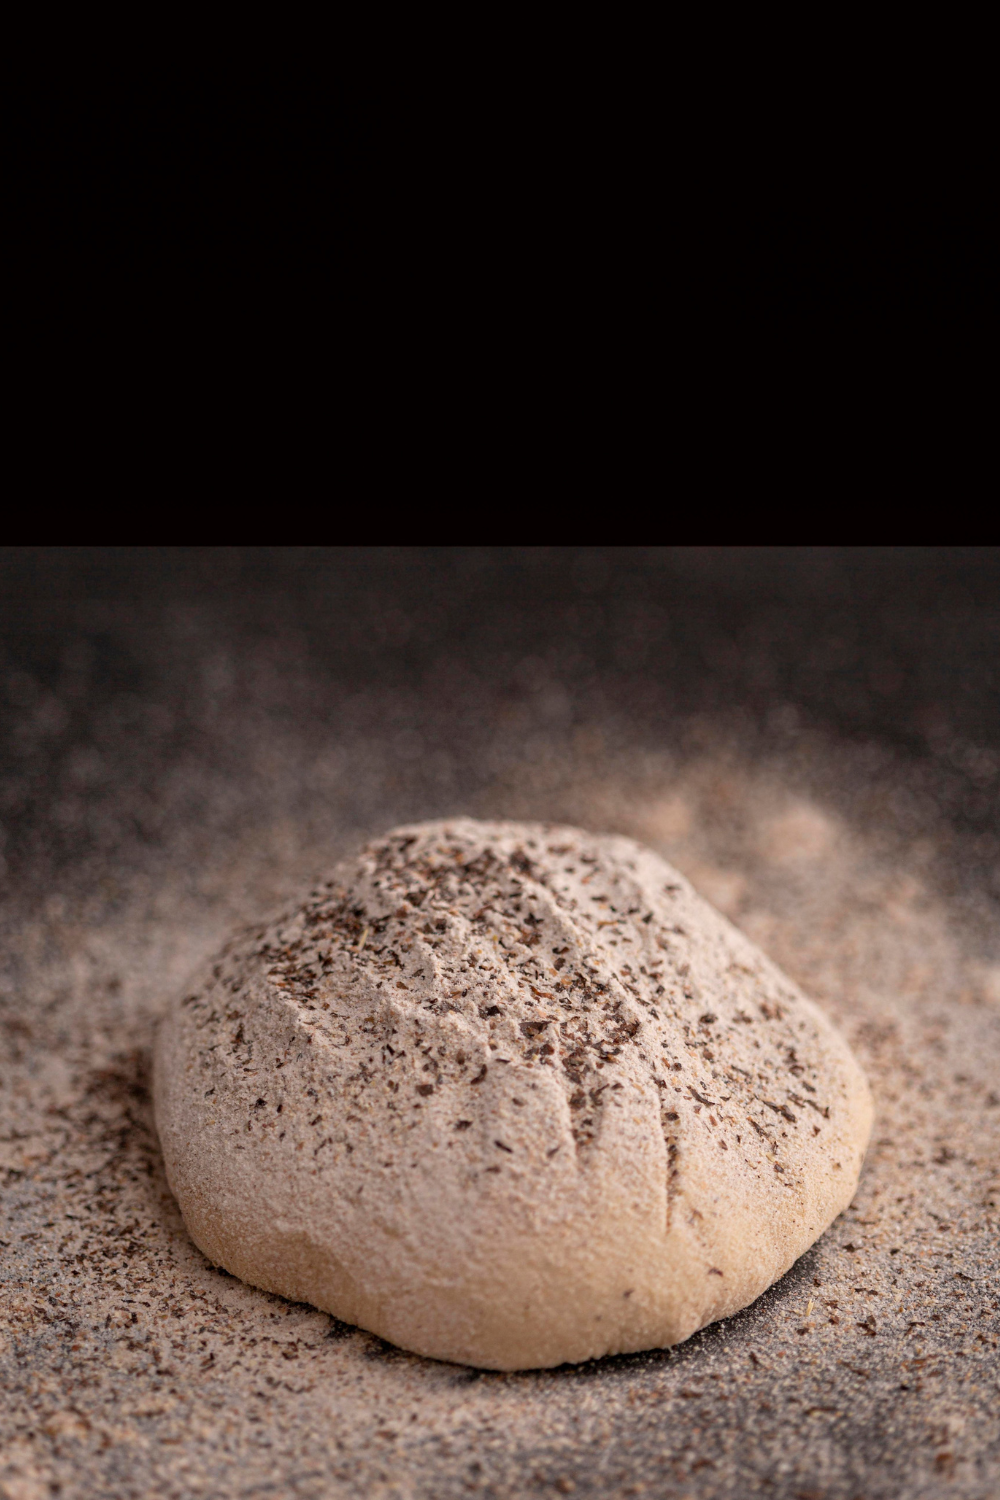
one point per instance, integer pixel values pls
(507, 1094)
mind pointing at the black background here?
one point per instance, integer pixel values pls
(113, 647)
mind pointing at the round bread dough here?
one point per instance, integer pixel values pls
(510, 1095)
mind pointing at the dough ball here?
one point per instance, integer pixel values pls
(510, 1095)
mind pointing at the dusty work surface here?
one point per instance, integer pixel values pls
(132, 1367)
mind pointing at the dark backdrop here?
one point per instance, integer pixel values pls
(119, 665)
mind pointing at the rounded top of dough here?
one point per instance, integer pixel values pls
(507, 1094)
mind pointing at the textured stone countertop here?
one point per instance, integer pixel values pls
(129, 1366)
